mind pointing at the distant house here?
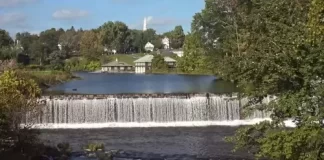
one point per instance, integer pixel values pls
(144, 64)
(166, 43)
(149, 47)
(116, 66)
(178, 52)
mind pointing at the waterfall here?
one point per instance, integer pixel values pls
(142, 110)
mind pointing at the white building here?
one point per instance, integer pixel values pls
(166, 42)
(178, 52)
(149, 47)
(144, 64)
(59, 46)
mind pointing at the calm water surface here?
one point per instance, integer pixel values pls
(103, 83)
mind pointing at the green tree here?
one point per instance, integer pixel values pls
(56, 59)
(18, 96)
(115, 35)
(50, 38)
(137, 41)
(195, 58)
(5, 39)
(38, 52)
(177, 37)
(275, 48)
(90, 46)
(158, 64)
(25, 40)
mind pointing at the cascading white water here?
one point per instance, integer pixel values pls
(167, 110)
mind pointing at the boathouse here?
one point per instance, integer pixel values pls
(117, 66)
(144, 64)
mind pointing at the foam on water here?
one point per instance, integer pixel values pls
(233, 123)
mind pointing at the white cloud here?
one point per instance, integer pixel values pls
(67, 14)
(11, 3)
(15, 20)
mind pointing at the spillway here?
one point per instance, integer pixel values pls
(141, 110)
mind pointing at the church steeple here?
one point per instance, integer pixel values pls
(145, 24)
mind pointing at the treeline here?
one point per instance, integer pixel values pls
(91, 45)
(268, 47)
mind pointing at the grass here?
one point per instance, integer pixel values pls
(127, 58)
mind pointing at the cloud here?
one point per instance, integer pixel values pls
(14, 20)
(12, 3)
(66, 14)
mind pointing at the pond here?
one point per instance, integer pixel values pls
(103, 83)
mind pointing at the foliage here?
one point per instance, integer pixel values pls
(92, 147)
(81, 64)
(18, 96)
(177, 37)
(8, 53)
(45, 78)
(90, 46)
(7, 64)
(195, 59)
(5, 39)
(115, 36)
(271, 47)
(158, 64)
(56, 59)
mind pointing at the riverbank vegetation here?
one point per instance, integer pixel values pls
(269, 47)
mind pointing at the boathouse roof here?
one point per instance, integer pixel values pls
(116, 63)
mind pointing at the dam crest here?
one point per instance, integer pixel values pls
(143, 110)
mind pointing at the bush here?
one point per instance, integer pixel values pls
(92, 147)
(81, 64)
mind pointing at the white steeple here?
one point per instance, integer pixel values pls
(145, 24)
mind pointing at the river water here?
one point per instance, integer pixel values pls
(200, 141)
(103, 83)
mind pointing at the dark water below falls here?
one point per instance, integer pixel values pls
(203, 142)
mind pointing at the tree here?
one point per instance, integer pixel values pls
(137, 42)
(56, 59)
(5, 39)
(275, 48)
(50, 38)
(25, 40)
(14, 110)
(38, 52)
(115, 35)
(70, 40)
(195, 58)
(158, 64)
(177, 37)
(90, 46)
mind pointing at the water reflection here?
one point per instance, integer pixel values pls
(101, 83)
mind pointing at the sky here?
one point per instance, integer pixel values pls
(37, 15)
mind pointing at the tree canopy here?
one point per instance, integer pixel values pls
(274, 48)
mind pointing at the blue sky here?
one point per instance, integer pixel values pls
(37, 15)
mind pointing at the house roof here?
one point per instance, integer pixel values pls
(148, 44)
(148, 59)
(165, 52)
(116, 63)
